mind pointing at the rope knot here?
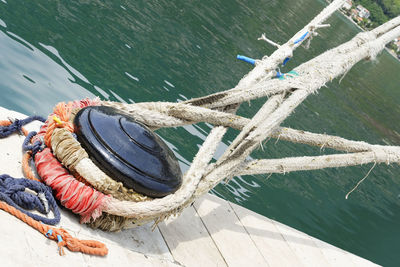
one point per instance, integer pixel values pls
(35, 147)
(64, 239)
(57, 235)
(15, 125)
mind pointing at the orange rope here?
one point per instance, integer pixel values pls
(26, 167)
(73, 244)
(59, 119)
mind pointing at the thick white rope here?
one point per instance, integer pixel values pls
(235, 155)
(217, 100)
(285, 165)
(336, 62)
(164, 206)
(265, 68)
(196, 114)
(320, 70)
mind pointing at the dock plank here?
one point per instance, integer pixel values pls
(334, 255)
(303, 246)
(231, 238)
(358, 261)
(267, 238)
(189, 241)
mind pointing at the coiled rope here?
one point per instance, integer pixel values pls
(17, 195)
(23, 195)
(73, 195)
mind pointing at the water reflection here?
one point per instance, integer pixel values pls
(27, 74)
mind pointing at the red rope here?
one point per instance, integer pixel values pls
(74, 195)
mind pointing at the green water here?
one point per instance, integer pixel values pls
(136, 51)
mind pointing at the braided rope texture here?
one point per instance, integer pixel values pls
(74, 195)
(14, 193)
(91, 247)
(68, 151)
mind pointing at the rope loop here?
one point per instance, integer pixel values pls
(24, 195)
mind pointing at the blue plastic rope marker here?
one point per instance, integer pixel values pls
(60, 249)
(301, 38)
(285, 61)
(279, 74)
(49, 233)
(246, 59)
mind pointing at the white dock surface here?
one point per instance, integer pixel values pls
(213, 232)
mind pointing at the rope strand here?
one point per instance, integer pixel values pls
(90, 247)
(9, 127)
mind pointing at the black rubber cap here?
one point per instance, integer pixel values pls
(128, 151)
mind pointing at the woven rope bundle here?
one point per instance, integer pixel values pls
(112, 207)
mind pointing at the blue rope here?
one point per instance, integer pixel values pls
(246, 59)
(36, 147)
(285, 61)
(17, 125)
(279, 74)
(301, 38)
(12, 191)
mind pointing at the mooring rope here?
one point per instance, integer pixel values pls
(286, 93)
